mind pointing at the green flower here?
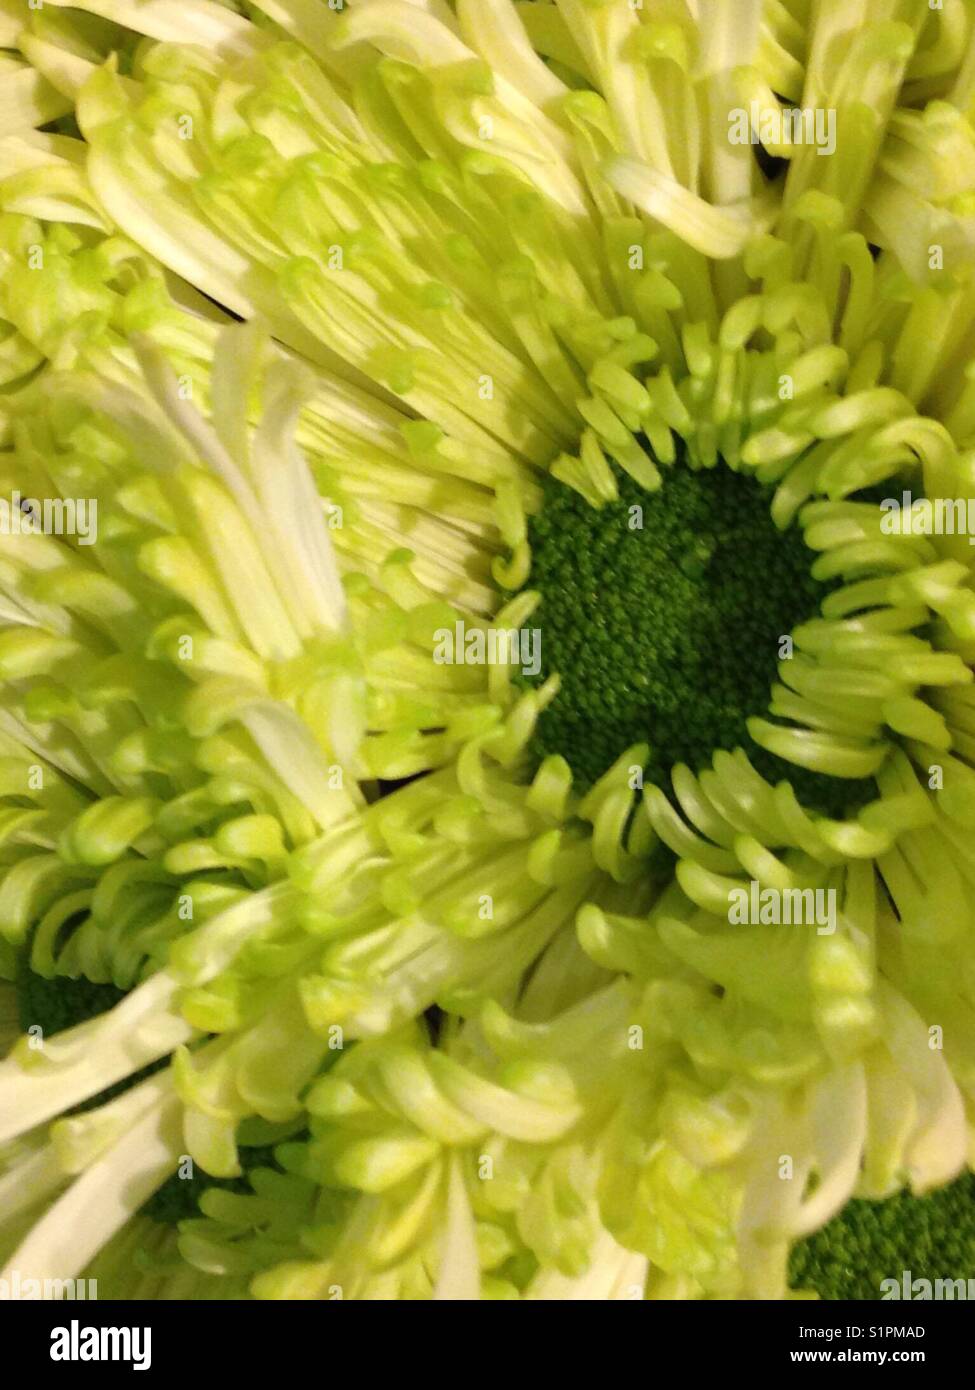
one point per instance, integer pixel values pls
(551, 482)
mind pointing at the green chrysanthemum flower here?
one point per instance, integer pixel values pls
(570, 342)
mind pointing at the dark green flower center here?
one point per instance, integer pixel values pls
(664, 614)
(870, 1241)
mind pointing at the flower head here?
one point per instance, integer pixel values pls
(511, 778)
